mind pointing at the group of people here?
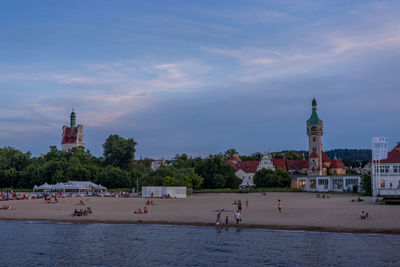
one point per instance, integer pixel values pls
(82, 212)
(237, 214)
(357, 199)
(364, 215)
(11, 195)
(48, 199)
(150, 203)
(323, 196)
(139, 211)
(219, 223)
(7, 207)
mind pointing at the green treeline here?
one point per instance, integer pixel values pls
(117, 168)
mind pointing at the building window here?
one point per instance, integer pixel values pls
(337, 183)
(396, 168)
(302, 184)
(382, 169)
(386, 169)
(314, 149)
(323, 182)
(351, 182)
(313, 139)
(312, 184)
(382, 183)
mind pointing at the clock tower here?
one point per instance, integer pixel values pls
(314, 132)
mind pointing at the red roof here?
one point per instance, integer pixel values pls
(296, 164)
(248, 166)
(325, 157)
(69, 138)
(337, 165)
(314, 155)
(279, 163)
(393, 156)
(234, 161)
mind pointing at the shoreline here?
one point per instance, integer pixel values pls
(326, 229)
(301, 212)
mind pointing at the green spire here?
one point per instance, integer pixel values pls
(73, 121)
(314, 116)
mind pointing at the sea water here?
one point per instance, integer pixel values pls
(72, 244)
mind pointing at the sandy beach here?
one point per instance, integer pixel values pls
(301, 211)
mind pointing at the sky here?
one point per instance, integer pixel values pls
(199, 77)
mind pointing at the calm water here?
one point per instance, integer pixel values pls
(41, 243)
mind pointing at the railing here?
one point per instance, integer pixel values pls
(388, 192)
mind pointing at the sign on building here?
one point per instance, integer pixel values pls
(379, 148)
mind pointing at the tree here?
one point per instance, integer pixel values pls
(255, 156)
(282, 178)
(119, 152)
(366, 184)
(270, 178)
(216, 173)
(264, 178)
(229, 153)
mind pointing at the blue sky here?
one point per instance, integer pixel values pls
(199, 77)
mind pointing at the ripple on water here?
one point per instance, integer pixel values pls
(44, 243)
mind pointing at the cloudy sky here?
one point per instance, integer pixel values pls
(199, 77)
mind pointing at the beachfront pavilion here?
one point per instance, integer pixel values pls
(75, 187)
(328, 183)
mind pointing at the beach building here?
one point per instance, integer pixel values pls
(73, 135)
(323, 174)
(245, 170)
(388, 174)
(72, 187)
(163, 191)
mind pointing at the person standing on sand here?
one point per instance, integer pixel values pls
(237, 217)
(239, 206)
(279, 206)
(226, 221)
(218, 219)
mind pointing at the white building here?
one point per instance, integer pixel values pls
(74, 187)
(388, 174)
(328, 183)
(245, 170)
(155, 164)
(266, 162)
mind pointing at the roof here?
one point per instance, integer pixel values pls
(393, 156)
(314, 155)
(248, 166)
(69, 138)
(336, 164)
(71, 185)
(234, 161)
(325, 157)
(314, 116)
(279, 163)
(296, 164)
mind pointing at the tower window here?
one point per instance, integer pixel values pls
(314, 139)
(314, 149)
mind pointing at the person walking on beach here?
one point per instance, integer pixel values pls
(226, 221)
(218, 219)
(247, 203)
(239, 206)
(237, 216)
(279, 206)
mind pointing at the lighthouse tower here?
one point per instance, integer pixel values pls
(73, 135)
(314, 132)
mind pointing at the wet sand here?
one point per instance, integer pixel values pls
(301, 211)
